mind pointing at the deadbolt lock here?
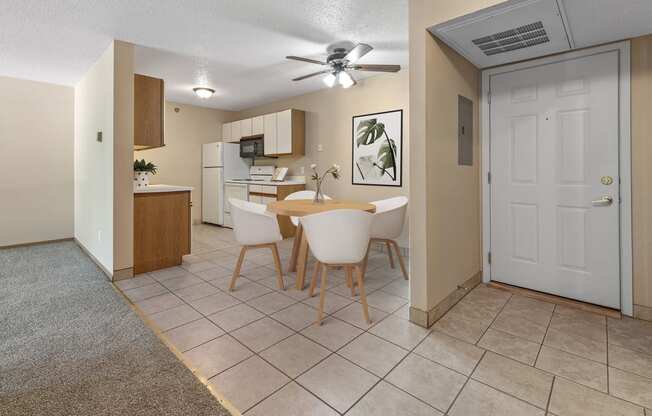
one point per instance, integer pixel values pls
(607, 180)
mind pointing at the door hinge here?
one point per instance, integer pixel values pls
(489, 257)
(488, 177)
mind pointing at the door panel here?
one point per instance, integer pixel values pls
(211, 203)
(554, 134)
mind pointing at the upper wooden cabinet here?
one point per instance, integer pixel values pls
(284, 133)
(149, 99)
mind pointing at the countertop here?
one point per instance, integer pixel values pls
(162, 188)
(269, 183)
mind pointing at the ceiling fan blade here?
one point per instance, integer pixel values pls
(312, 61)
(312, 75)
(376, 68)
(360, 50)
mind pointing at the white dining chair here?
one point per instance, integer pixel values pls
(387, 225)
(338, 238)
(301, 195)
(295, 221)
(254, 228)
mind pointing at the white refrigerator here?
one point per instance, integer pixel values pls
(220, 162)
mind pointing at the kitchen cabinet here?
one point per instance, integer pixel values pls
(148, 112)
(269, 131)
(257, 125)
(245, 127)
(161, 229)
(285, 133)
(226, 132)
(236, 132)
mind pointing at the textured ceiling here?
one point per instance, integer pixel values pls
(236, 47)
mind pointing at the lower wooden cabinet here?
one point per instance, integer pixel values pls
(161, 230)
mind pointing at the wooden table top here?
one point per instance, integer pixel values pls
(302, 207)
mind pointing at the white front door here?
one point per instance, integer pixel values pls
(554, 168)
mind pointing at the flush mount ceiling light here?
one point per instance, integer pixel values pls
(204, 92)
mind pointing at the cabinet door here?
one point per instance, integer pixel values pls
(269, 126)
(226, 132)
(148, 112)
(236, 132)
(256, 198)
(284, 132)
(257, 125)
(267, 200)
(245, 127)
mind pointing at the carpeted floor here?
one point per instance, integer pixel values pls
(71, 345)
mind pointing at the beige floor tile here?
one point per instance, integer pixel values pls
(400, 332)
(174, 317)
(477, 399)
(214, 303)
(386, 400)
(180, 282)
(223, 283)
(578, 345)
(249, 382)
(478, 314)
(271, 302)
(192, 334)
(353, 315)
(217, 355)
(403, 313)
(572, 399)
(196, 292)
(534, 310)
(398, 288)
(460, 328)
(292, 400)
(521, 381)
(510, 346)
(139, 281)
(260, 272)
(295, 355)
(290, 288)
(450, 352)
(236, 317)
(631, 361)
(385, 301)
(168, 273)
(198, 266)
(332, 333)
(428, 381)
(338, 382)
(159, 303)
(262, 334)
(297, 316)
(519, 326)
(332, 302)
(630, 387)
(577, 326)
(373, 354)
(580, 370)
(214, 255)
(214, 273)
(632, 334)
(578, 314)
(248, 290)
(145, 292)
(493, 300)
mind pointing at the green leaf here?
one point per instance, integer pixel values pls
(369, 131)
(387, 155)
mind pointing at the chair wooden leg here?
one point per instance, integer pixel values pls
(389, 253)
(322, 293)
(349, 279)
(295, 248)
(363, 296)
(238, 265)
(315, 276)
(400, 259)
(279, 268)
(366, 258)
(302, 261)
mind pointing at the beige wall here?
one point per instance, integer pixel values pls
(179, 161)
(641, 70)
(36, 161)
(328, 122)
(446, 252)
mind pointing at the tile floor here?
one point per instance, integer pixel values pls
(491, 354)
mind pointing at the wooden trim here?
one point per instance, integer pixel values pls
(262, 194)
(298, 132)
(122, 274)
(36, 243)
(558, 300)
(643, 312)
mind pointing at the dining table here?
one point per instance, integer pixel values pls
(300, 208)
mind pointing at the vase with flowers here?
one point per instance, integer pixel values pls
(333, 171)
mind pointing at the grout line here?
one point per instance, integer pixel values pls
(545, 335)
(552, 387)
(606, 328)
(468, 378)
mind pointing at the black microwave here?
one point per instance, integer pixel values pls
(252, 147)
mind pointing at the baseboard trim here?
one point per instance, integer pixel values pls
(643, 312)
(36, 243)
(122, 274)
(427, 319)
(106, 271)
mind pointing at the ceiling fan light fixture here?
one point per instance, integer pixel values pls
(204, 92)
(330, 79)
(345, 79)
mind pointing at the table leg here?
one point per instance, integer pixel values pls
(295, 248)
(302, 261)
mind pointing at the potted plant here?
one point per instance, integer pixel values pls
(142, 170)
(334, 171)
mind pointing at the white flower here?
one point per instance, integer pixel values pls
(313, 166)
(336, 167)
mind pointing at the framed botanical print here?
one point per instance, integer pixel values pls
(377, 155)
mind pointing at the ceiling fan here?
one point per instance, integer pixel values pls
(340, 61)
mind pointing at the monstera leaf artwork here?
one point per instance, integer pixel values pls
(376, 157)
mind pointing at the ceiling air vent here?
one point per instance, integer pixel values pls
(510, 40)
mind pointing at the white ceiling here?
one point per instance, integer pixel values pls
(236, 47)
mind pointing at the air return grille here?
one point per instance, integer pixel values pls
(513, 39)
